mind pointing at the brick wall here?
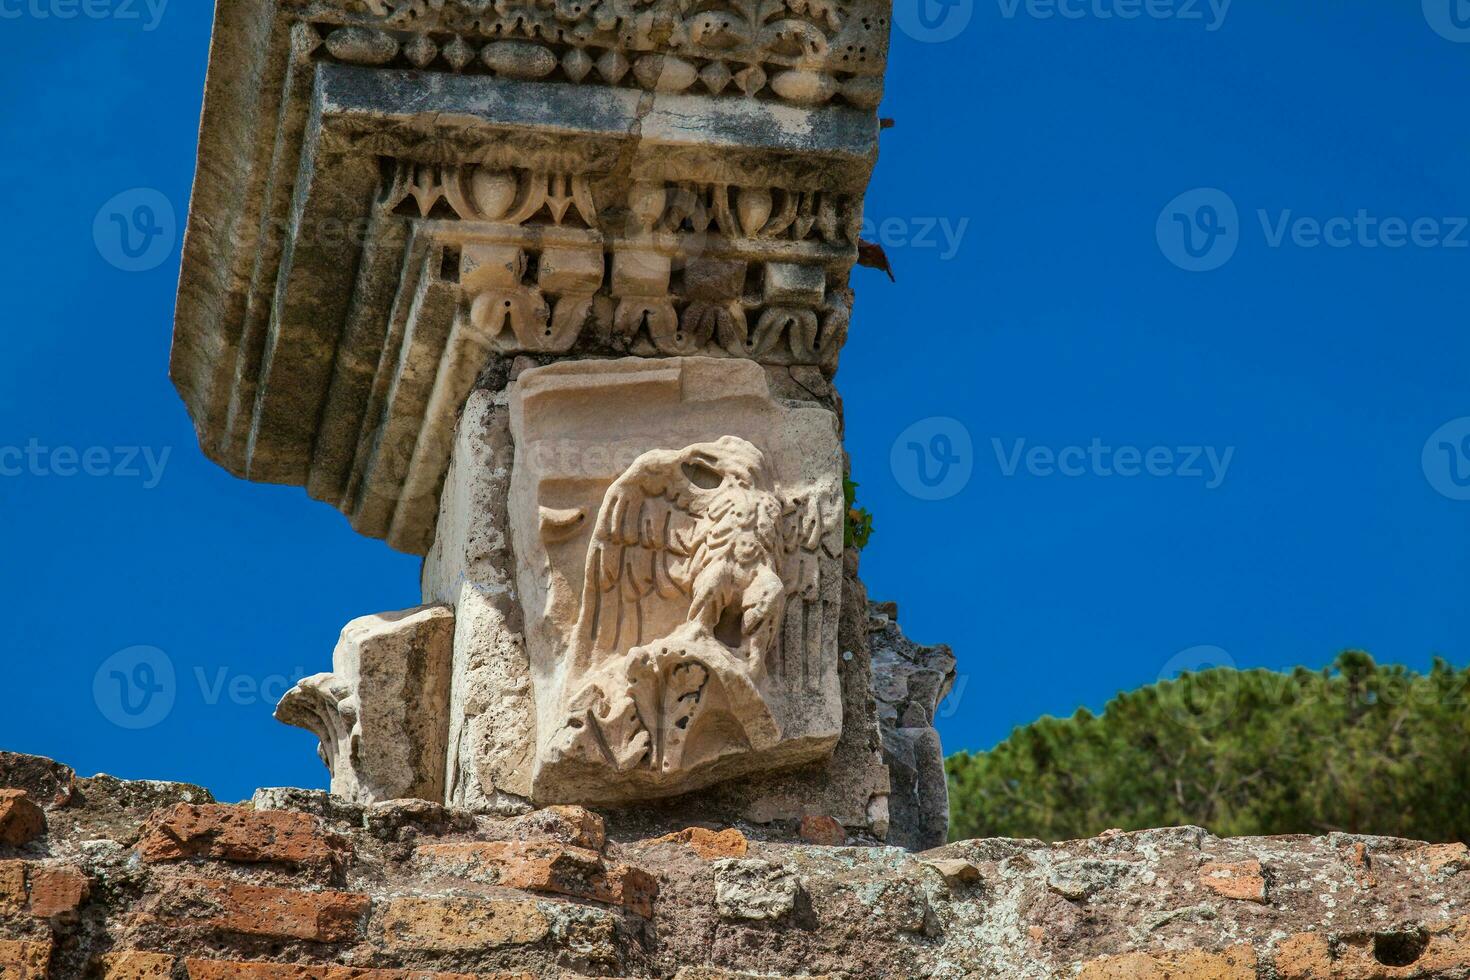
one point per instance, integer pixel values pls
(136, 881)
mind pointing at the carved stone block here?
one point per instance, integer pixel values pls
(679, 550)
(571, 270)
(640, 272)
(795, 285)
(382, 713)
(485, 267)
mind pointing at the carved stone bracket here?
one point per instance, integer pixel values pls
(382, 715)
(548, 260)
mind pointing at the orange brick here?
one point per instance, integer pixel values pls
(1440, 950)
(824, 831)
(136, 965)
(283, 913)
(708, 844)
(57, 891)
(1438, 858)
(1240, 880)
(12, 886)
(1358, 858)
(415, 925)
(21, 820)
(1236, 963)
(24, 960)
(217, 970)
(231, 833)
(553, 868)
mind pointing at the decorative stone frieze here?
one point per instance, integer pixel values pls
(803, 52)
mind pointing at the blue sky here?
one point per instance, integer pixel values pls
(1293, 491)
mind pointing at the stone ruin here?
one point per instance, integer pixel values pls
(553, 293)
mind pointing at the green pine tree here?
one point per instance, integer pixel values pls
(1356, 747)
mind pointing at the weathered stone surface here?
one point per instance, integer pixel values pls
(226, 833)
(573, 825)
(680, 533)
(42, 889)
(492, 713)
(1439, 949)
(12, 886)
(909, 682)
(955, 871)
(49, 784)
(216, 970)
(107, 808)
(1445, 859)
(382, 713)
(754, 889)
(1136, 906)
(316, 802)
(21, 820)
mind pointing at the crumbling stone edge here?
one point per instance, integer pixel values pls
(138, 880)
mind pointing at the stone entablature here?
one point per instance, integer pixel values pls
(370, 225)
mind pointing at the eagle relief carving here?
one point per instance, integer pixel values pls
(702, 530)
(690, 624)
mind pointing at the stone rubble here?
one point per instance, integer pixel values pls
(154, 881)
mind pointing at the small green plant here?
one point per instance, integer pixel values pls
(859, 527)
